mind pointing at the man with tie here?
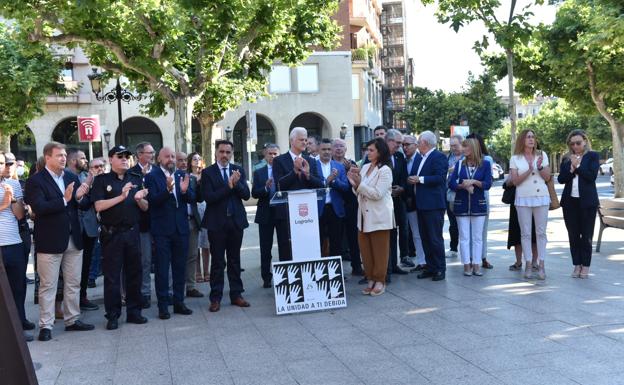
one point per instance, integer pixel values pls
(293, 171)
(429, 183)
(55, 197)
(169, 193)
(394, 140)
(413, 158)
(332, 211)
(263, 189)
(224, 188)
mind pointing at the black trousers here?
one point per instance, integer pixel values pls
(87, 255)
(453, 230)
(431, 226)
(580, 224)
(266, 231)
(225, 242)
(399, 233)
(331, 228)
(121, 250)
(351, 233)
(283, 239)
(15, 266)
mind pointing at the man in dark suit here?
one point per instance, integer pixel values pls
(332, 210)
(413, 158)
(169, 193)
(292, 171)
(55, 197)
(263, 189)
(224, 187)
(394, 139)
(429, 183)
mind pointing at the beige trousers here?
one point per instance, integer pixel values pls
(48, 266)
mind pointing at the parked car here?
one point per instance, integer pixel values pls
(607, 167)
(497, 172)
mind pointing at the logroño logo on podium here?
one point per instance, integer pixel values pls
(303, 210)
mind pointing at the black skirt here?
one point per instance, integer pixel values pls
(513, 234)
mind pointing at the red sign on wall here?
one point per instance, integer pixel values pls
(89, 128)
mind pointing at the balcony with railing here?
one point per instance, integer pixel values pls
(365, 13)
(393, 62)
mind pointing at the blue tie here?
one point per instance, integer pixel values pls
(270, 175)
(230, 206)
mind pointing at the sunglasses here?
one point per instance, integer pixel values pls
(9, 164)
(123, 156)
(576, 143)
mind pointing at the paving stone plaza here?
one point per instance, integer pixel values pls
(495, 329)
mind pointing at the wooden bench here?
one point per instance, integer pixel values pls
(611, 212)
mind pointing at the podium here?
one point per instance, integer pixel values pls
(308, 282)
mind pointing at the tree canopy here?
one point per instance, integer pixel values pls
(216, 51)
(28, 74)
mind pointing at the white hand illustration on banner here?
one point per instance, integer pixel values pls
(319, 271)
(278, 275)
(321, 291)
(334, 289)
(294, 294)
(281, 299)
(333, 270)
(309, 286)
(292, 275)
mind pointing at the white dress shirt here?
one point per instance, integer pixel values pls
(326, 169)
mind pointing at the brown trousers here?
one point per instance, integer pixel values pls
(375, 248)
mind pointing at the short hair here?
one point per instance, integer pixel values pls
(380, 127)
(429, 138)
(271, 145)
(326, 141)
(72, 153)
(317, 139)
(141, 146)
(459, 137)
(410, 136)
(383, 150)
(296, 131)
(392, 134)
(96, 160)
(479, 139)
(223, 141)
(50, 146)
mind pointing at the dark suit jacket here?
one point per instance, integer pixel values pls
(264, 213)
(587, 173)
(431, 195)
(409, 196)
(338, 187)
(166, 215)
(217, 193)
(144, 216)
(287, 180)
(53, 219)
(196, 187)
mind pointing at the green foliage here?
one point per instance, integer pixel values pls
(28, 74)
(438, 110)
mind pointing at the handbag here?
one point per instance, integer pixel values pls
(509, 194)
(554, 199)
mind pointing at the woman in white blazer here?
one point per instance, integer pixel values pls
(373, 186)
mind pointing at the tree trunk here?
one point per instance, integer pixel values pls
(617, 131)
(207, 122)
(512, 104)
(182, 119)
(5, 142)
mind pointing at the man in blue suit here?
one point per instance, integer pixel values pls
(332, 210)
(293, 171)
(413, 159)
(263, 189)
(224, 187)
(169, 194)
(429, 183)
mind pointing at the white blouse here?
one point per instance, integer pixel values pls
(533, 191)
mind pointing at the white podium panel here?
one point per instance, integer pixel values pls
(304, 225)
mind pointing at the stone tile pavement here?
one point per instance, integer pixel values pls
(497, 329)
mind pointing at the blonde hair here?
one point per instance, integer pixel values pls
(474, 145)
(519, 147)
(583, 135)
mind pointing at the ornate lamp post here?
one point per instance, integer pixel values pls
(107, 135)
(228, 133)
(118, 94)
(343, 131)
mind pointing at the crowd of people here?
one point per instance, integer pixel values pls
(134, 214)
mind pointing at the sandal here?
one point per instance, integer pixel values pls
(486, 265)
(516, 267)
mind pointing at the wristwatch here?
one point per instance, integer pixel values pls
(540, 168)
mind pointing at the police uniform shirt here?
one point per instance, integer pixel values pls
(108, 186)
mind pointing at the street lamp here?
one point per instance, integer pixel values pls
(228, 133)
(343, 131)
(107, 135)
(118, 94)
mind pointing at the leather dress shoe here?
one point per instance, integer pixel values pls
(91, 284)
(214, 307)
(399, 271)
(79, 326)
(87, 305)
(240, 302)
(136, 319)
(45, 335)
(147, 302)
(266, 284)
(181, 308)
(194, 293)
(164, 314)
(417, 268)
(27, 325)
(112, 324)
(439, 276)
(28, 337)
(425, 274)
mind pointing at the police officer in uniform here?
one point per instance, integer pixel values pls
(118, 197)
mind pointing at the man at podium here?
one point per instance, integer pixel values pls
(293, 171)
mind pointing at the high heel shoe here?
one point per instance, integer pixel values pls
(379, 289)
(367, 290)
(577, 271)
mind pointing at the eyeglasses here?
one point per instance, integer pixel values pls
(97, 166)
(576, 143)
(123, 156)
(147, 152)
(406, 144)
(9, 164)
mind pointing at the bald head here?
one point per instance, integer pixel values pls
(167, 158)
